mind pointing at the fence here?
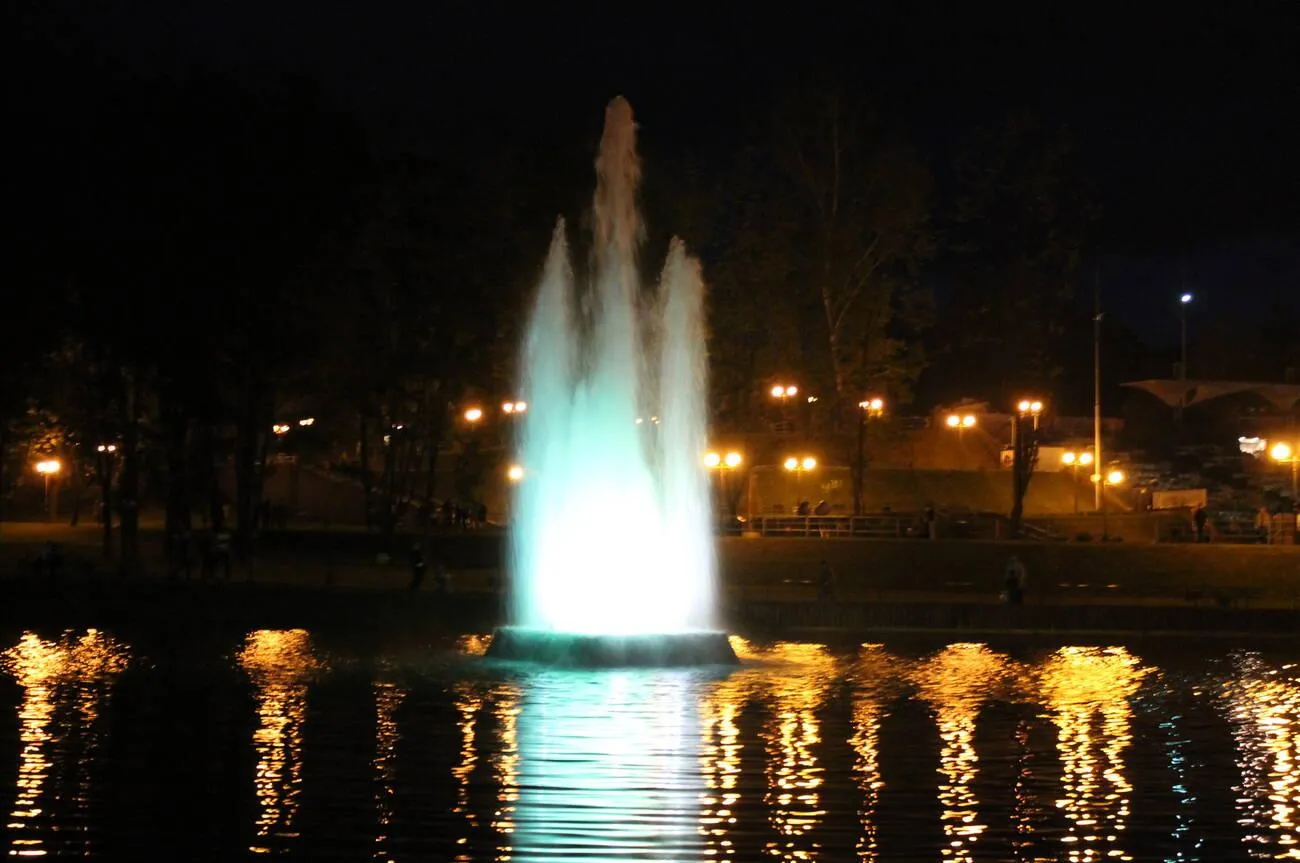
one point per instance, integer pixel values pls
(872, 527)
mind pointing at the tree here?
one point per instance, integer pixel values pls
(858, 202)
(1020, 216)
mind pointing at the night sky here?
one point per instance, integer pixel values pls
(1186, 119)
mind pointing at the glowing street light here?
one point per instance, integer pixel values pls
(869, 408)
(473, 415)
(784, 392)
(514, 407)
(49, 468)
(724, 464)
(280, 428)
(715, 460)
(1284, 453)
(1113, 477)
(1073, 460)
(106, 448)
(307, 421)
(514, 473)
(799, 466)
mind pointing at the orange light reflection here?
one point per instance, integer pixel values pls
(1087, 690)
(280, 662)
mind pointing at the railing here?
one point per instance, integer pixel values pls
(878, 526)
(831, 526)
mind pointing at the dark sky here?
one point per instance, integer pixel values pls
(1187, 117)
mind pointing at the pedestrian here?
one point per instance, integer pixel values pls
(417, 567)
(1200, 518)
(221, 553)
(1013, 590)
(825, 582)
(441, 579)
(931, 525)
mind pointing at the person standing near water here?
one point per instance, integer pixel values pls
(417, 567)
(1013, 592)
(825, 582)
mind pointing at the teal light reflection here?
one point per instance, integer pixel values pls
(607, 767)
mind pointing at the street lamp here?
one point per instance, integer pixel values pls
(783, 392)
(280, 428)
(49, 468)
(514, 407)
(514, 473)
(473, 415)
(799, 466)
(1113, 477)
(1073, 460)
(1284, 453)
(722, 464)
(872, 406)
(1184, 301)
(960, 422)
(1024, 453)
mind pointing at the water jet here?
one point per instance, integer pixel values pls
(611, 547)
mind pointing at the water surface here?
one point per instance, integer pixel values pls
(289, 743)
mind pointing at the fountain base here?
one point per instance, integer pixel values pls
(580, 650)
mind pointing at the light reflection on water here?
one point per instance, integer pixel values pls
(1264, 706)
(1088, 691)
(606, 767)
(388, 697)
(956, 682)
(64, 685)
(1034, 754)
(280, 663)
(794, 679)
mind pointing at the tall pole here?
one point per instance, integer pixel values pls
(860, 463)
(1098, 491)
(1182, 364)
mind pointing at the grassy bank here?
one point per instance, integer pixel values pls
(1058, 573)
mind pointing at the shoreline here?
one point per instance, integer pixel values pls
(176, 608)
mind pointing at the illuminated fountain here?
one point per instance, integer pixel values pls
(611, 548)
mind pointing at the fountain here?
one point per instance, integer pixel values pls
(612, 559)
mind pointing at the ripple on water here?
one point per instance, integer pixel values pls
(961, 751)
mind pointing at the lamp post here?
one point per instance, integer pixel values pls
(783, 393)
(1284, 453)
(799, 466)
(1184, 301)
(1024, 454)
(1114, 477)
(1074, 460)
(723, 464)
(867, 408)
(959, 423)
(48, 469)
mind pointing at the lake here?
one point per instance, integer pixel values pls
(320, 746)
